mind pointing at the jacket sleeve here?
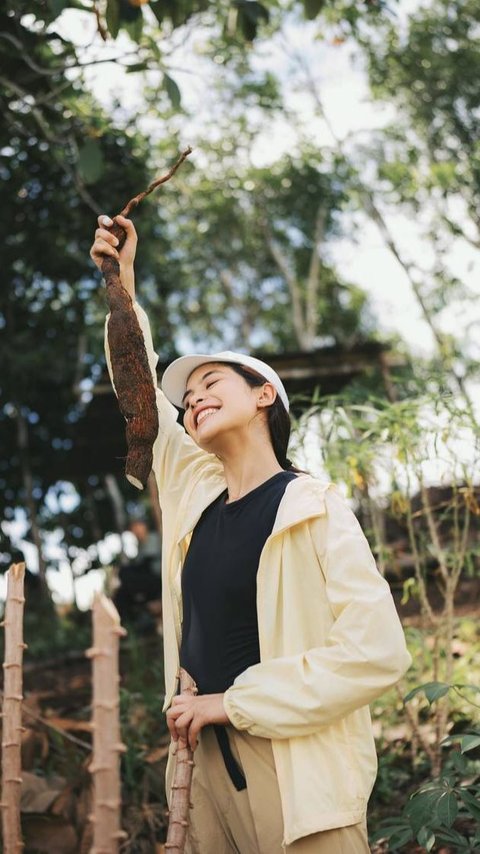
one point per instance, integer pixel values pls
(364, 654)
(177, 461)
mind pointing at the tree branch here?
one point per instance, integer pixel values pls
(313, 279)
(283, 265)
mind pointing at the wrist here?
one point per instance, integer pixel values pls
(127, 277)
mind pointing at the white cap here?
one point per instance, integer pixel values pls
(174, 380)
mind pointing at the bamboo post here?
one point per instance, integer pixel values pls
(107, 745)
(12, 710)
(182, 782)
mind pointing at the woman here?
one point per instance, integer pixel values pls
(273, 603)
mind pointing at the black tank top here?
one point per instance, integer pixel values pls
(219, 585)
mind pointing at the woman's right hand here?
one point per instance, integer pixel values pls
(105, 244)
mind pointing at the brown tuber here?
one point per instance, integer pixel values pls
(131, 373)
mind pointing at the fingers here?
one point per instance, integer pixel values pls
(182, 725)
(104, 245)
(104, 221)
(177, 709)
(127, 224)
(184, 721)
(105, 242)
(171, 726)
(193, 731)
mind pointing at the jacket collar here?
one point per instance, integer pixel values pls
(202, 494)
(304, 498)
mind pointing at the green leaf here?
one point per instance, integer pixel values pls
(172, 91)
(137, 66)
(458, 761)
(426, 838)
(451, 837)
(432, 690)
(400, 838)
(255, 11)
(134, 26)
(250, 13)
(447, 808)
(113, 18)
(313, 8)
(471, 802)
(90, 161)
(421, 809)
(158, 10)
(177, 12)
(469, 742)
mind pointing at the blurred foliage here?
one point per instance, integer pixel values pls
(444, 810)
(241, 19)
(428, 157)
(236, 253)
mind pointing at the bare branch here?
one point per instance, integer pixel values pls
(313, 279)
(283, 265)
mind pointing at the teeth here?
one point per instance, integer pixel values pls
(204, 414)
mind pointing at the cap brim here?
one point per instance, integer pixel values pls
(174, 380)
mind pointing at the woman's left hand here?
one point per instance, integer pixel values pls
(188, 714)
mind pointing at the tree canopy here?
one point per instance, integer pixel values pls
(242, 249)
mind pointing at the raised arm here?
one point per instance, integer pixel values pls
(178, 463)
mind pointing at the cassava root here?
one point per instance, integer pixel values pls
(182, 782)
(131, 373)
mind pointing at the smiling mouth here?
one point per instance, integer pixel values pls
(205, 414)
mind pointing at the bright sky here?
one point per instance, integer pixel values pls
(347, 104)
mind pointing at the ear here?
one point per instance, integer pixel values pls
(267, 395)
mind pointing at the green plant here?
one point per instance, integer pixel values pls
(445, 809)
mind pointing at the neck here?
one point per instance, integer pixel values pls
(247, 465)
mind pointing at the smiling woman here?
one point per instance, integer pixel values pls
(272, 603)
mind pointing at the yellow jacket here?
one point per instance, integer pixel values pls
(330, 638)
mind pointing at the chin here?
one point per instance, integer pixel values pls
(208, 438)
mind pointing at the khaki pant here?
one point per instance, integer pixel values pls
(225, 821)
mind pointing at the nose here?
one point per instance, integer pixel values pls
(196, 399)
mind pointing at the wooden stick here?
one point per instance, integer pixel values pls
(131, 373)
(107, 744)
(182, 783)
(12, 711)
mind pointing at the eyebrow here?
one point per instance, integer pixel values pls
(189, 390)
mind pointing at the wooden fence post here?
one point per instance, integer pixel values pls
(107, 744)
(12, 710)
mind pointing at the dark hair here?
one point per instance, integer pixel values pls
(278, 419)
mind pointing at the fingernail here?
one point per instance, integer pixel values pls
(116, 241)
(107, 221)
